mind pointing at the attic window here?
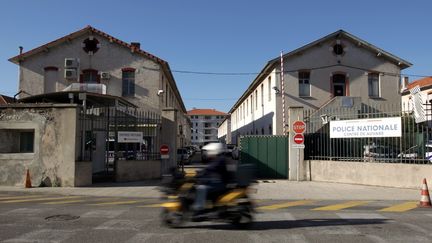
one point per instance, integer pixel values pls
(338, 49)
(90, 45)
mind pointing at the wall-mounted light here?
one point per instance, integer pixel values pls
(161, 91)
(276, 89)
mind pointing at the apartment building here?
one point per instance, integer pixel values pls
(205, 123)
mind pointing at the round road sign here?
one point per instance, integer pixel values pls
(164, 149)
(299, 138)
(299, 127)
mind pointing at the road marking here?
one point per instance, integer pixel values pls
(64, 202)
(285, 205)
(403, 207)
(119, 224)
(340, 206)
(116, 203)
(19, 197)
(156, 205)
(39, 199)
(103, 214)
(360, 216)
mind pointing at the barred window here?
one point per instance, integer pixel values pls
(373, 85)
(128, 85)
(304, 85)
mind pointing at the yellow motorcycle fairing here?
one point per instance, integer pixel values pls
(230, 196)
(172, 206)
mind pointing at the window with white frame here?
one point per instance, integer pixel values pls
(374, 84)
(304, 83)
(269, 88)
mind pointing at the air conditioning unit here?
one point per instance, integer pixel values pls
(105, 75)
(70, 74)
(71, 63)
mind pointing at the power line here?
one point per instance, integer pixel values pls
(287, 71)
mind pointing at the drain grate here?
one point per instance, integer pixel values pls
(61, 217)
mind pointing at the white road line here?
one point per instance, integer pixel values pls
(45, 235)
(119, 224)
(102, 214)
(360, 216)
(274, 216)
(264, 238)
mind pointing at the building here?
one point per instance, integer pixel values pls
(320, 74)
(425, 86)
(205, 123)
(102, 86)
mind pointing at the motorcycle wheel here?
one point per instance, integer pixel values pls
(244, 218)
(172, 219)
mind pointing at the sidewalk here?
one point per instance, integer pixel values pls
(272, 189)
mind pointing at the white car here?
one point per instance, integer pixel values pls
(411, 153)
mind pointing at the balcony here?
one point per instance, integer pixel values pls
(87, 87)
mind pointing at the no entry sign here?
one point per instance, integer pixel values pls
(298, 138)
(299, 126)
(164, 151)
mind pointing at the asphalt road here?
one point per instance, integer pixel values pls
(28, 217)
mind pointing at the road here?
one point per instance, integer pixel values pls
(43, 217)
(26, 217)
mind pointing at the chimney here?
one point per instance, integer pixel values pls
(21, 49)
(136, 45)
(404, 84)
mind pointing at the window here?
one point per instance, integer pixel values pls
(256, 99)
(18, 141)
(269, 88)
(247, 106)
(262, 94)
(373, 84)
(90, 76)
(128, 82)
(207, 117)
(304, 85)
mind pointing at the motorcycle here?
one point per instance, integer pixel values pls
(233, 206)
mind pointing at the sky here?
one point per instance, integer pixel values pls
(223, 36)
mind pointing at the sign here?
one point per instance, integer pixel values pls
(299, 126)
(365, 128)
(164, 151)
(129, 137)
(298, 138)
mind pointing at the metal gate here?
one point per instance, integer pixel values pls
(269, 154)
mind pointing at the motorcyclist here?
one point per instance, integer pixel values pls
(213, 179)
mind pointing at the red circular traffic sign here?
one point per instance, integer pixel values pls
(164, 149)
(299, 138)
(299, 127)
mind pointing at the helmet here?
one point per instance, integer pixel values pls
(214, 149)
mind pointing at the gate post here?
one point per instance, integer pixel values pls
(296, 168)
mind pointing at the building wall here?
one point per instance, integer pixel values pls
(53, 157)
(111, 58)
(322, 63)
(198, 129)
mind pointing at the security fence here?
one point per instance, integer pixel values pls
(109, 134)
(412, 147)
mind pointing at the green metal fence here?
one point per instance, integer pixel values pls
(269, 154)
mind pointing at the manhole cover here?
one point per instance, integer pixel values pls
(61, 217)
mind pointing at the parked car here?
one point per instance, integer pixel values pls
(235, 153)
(412, 153)
(376, 152)
(182, 155)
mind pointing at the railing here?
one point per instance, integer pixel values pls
(413, 146)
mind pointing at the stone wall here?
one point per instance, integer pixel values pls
(52, 161)
(136, 170)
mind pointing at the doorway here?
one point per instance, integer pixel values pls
(339, 85)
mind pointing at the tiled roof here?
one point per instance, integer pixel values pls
(421, 82)
(87, 29)
(6, 100)
(205, 112)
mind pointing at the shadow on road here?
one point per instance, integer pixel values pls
(291, 224)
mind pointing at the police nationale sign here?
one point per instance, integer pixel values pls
(364, 128)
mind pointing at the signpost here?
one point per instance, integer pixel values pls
(164, 151)
(298, 127)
